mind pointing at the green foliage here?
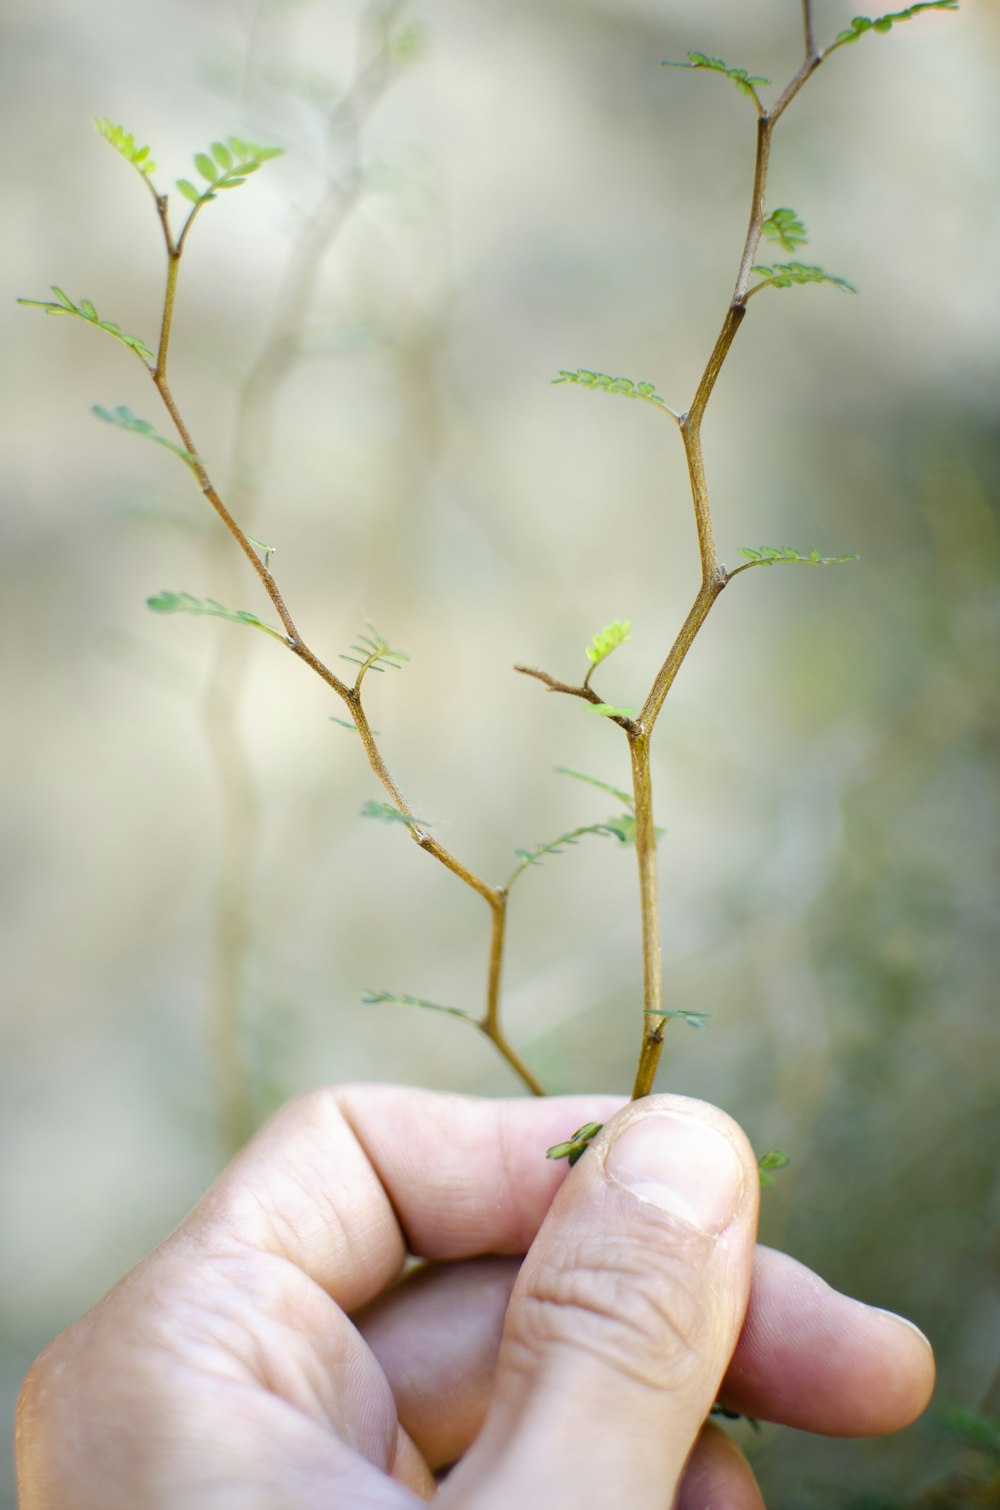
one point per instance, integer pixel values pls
(63, 305)
(267, 551)
(768, 1162)
(622, 829)
(575, 1147)
(785, 227)
(185, 602)
(862, 24)
(604, 786)
(608, 639)
(373, 653)
(784, 274)
(603, 381)
(126, 420)
(745, 82)
(972, 1429)
(776, 555)
(609, 710)
(693, 1019)
(374, 998)
(226, 165)
(124, 142)
(384, 812)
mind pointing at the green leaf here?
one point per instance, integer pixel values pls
(222, 155)
(614, 829)
(584, 378)
(609, 710)
(63, 305)
(375, 998)
(784, 274)
(626, 797)
(623, 827)
(575, 1147)
(745, 82)
(185, 602)
(693, 1019)
(384, 812)
(975, 1430)
(785, 227)
(206, 167)
(608, 639)
(189, 191)
(778, 555)
(125, 143)
(372, 652)
(126, 420)
(862, 24)
(768, 1162)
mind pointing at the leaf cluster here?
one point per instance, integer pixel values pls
(125, 143)
(608, 639)
(774, 555)
(126, 420)
(784, 274)
(584, 378)
(372, 652)
(384, 812)
(374, 998)
(745, 82)
(185, 602)
(785, 227)
(768, 1163)
(862, 24)
(63, 305)
(575, 1147)
(226, 165)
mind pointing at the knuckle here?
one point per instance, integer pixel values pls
(638, 1312)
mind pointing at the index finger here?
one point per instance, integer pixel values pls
(346, 1182)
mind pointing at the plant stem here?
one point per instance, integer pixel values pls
(653, 1021)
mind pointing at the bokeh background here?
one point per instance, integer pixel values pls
(531, 191)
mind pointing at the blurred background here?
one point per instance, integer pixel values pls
(515, 188)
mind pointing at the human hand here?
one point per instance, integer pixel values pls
(268, 1356)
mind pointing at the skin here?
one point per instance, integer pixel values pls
(560, 1345)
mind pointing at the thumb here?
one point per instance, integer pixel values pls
(623, 1319)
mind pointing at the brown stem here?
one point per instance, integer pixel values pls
(653, 1020)
(489, 1024)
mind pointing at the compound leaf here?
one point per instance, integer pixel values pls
(374, 998)
(784, 274)
(862, 24)
(575, 1147)
(63, 305)
(608, 639)
(125, 143)
(384, 812)
(745, 82)
(126, 420)
(372, 652)
(777, 555)
(768, 1162)
(603, 381)
(785, 227)
(185, 602)
(626, 797)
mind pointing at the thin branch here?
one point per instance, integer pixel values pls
(572, 690)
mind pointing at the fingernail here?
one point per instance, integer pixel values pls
(905, 1321)
(681, 1165)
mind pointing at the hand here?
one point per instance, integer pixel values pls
(268, 1356)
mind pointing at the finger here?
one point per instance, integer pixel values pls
(345, 1182)
(623, 1318)
(718, 1476)
(436, 1337)
(807, 1356)
(815, 1359)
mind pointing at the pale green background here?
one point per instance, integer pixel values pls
(548, 196)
